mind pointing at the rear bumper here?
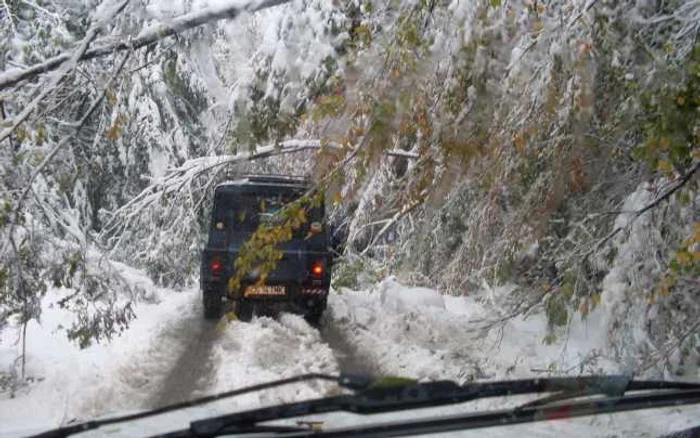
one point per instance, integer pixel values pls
(293, 292)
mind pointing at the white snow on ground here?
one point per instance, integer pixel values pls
(247, 354)
(408, 331)
(399, 330)
(123, 376)
(73, 383)
(265, 350)
(418, 333)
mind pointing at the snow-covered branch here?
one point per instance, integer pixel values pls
(391, 222)
(178, 177)
(147, 37)
(9, 14)
(682, 181)
(47, 159)
(67, 67)
(402, 154)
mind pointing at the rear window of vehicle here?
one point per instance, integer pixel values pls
(245, 212)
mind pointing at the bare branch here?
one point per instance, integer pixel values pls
(147, 37)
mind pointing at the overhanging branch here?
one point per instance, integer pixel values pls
(147, 37)
(178, 177)
(65, 70)
(682, 181)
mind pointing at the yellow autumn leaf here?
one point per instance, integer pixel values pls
(537, 27)
(684, 258)
(665, 285)
(230, 317)
(111, 96)
(301, 216)
(362, 29)
(665, 166)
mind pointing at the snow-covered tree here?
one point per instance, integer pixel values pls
(463, 144)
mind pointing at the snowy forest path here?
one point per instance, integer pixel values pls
(193, 370)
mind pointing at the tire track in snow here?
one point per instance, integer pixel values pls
(139, 363)
(194, 369)
(242, 353)
(350, 359)
(194, 372)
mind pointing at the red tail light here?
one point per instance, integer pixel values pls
(216, 266)
(317, 270)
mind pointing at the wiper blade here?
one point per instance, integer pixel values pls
(344, 381)
(375, 395)
(524, 414)
(380, 399)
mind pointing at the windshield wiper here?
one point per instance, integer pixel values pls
(378, 397)
(95, 424)
(528, 413)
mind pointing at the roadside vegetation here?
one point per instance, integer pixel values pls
(550, 146)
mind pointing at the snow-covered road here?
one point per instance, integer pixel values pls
(194, 371)
(171, 354)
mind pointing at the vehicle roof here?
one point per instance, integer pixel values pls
(268, 180)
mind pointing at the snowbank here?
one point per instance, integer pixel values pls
(70, 383)
(462, 338)
(400, 299)
(417, 333)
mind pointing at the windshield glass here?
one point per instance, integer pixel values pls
(198, 196)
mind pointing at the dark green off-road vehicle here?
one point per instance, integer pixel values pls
(301, 279)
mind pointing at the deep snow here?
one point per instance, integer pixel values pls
(393, 329)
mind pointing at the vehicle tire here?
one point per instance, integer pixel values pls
(244, 310)
(313, 317)
(212, 305)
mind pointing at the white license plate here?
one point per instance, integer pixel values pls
(264, 291)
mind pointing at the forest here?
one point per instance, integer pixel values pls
(553, 147)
